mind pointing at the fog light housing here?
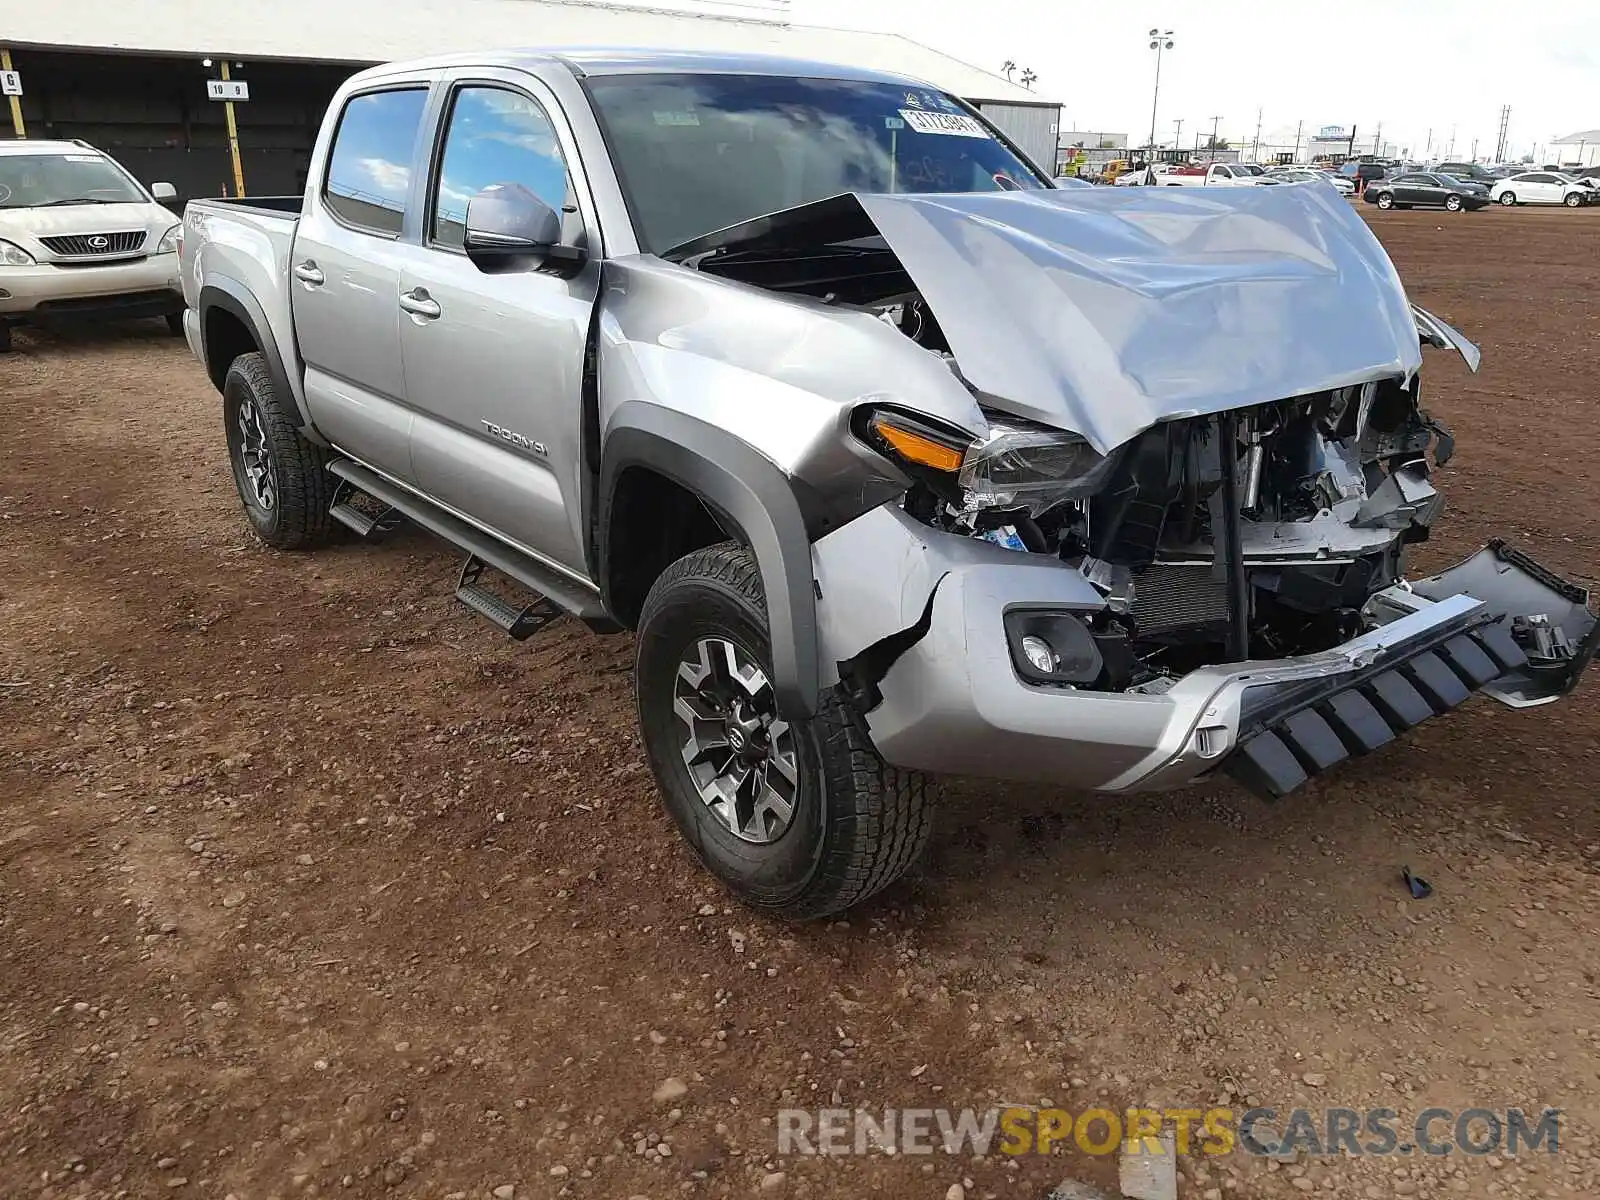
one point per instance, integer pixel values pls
(1050, 646)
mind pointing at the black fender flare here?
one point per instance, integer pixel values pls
(233, 297)
(755, 500)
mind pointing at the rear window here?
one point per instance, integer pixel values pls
(369, 171)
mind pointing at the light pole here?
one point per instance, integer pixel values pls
(1160, 39)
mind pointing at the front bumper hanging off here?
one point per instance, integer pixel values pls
(1526, 641)
(952, 700)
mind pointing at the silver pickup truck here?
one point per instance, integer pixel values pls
(898, 459)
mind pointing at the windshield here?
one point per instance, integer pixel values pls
(1248, 169)
(31, 180)
(697, 153)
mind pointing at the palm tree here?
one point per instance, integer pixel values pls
(1028, 77)
(1007, 67)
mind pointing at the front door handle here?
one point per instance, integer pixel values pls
(418, 303)
(308, 273)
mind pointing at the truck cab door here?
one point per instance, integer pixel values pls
(494, 361)
(345, 276)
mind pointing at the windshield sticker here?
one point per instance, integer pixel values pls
(677, 118)
(951, 124)
(82, 157)
(893, 123)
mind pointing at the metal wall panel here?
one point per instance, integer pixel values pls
(1032, 127)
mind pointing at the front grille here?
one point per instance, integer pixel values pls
(1167, 597)
(79, 245)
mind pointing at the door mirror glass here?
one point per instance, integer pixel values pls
(507, 222)
(163, 191)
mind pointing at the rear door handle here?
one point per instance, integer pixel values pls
(308, 273)
(418, 303)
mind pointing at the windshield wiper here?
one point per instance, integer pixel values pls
(75, 200)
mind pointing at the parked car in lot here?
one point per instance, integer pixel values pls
(1215, 175)
(1420, 189)
(899, 465)
(1475, 172)
(1471, 185)
(81, 238)
(1544, 187)
(1311, 175)
(1072, 181)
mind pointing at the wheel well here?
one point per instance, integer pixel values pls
(652, 523)
(226, 338)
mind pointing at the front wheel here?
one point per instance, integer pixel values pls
(281, 476)
(798, 818)
(1573, 200)
(1508, 199)
(1453, 203)
(1386, 201)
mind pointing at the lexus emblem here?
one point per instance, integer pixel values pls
(99, 241)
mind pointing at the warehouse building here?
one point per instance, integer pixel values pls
(148, 82)
(1577, 150)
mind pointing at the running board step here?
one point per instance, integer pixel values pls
(519, 623)
(365, 524)
(580, 598)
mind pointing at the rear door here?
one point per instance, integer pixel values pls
(345, 273)
(494, 361)
(1542, 188)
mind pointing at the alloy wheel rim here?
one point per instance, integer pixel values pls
(739, 753)
(255, 457)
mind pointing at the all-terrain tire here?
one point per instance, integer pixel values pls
(301, 490)
(857, 824)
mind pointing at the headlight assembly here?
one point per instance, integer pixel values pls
(170, 240)
(14, 256)
(1020, 464)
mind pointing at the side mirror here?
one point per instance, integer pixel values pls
(509, 227)
(163, 191)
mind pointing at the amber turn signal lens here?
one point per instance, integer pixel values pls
(917, 447)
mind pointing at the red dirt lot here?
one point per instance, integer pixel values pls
(312, 885)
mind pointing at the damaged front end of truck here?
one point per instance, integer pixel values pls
(1157, 523)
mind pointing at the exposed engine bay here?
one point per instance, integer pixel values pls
(1325, 491)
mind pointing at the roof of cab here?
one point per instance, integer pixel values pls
(44, 146)
(616, 60)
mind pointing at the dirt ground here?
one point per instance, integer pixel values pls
(313, 884)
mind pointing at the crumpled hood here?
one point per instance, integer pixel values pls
(1105, 311)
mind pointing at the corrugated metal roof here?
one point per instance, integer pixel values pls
(380, 30)
(1583, 135)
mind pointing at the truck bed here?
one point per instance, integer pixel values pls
(243, 246)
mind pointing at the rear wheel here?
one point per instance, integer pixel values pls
(281, 476)
(1453, 203)
(1386, 200)
(1509, 199)
(798, 818)
(1573, 200)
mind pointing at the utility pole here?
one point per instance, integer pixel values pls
(1160, 39)
(1177, 137)
(1377, 141)
(1350, 151)
(1474, 149)
(1450, 152)
(1215, 121)
(1298, 129)
(1500, 141)
(1255, 146)
(1428, 151)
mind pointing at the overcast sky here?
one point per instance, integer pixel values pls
(1414, 65)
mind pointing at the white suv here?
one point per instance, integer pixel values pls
(81, 238)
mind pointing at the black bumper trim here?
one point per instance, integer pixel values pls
(1360, 711)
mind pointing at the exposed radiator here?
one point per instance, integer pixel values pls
(1169, 597)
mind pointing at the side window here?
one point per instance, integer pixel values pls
(369, 171)
(1541, 178)
(494, 136)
